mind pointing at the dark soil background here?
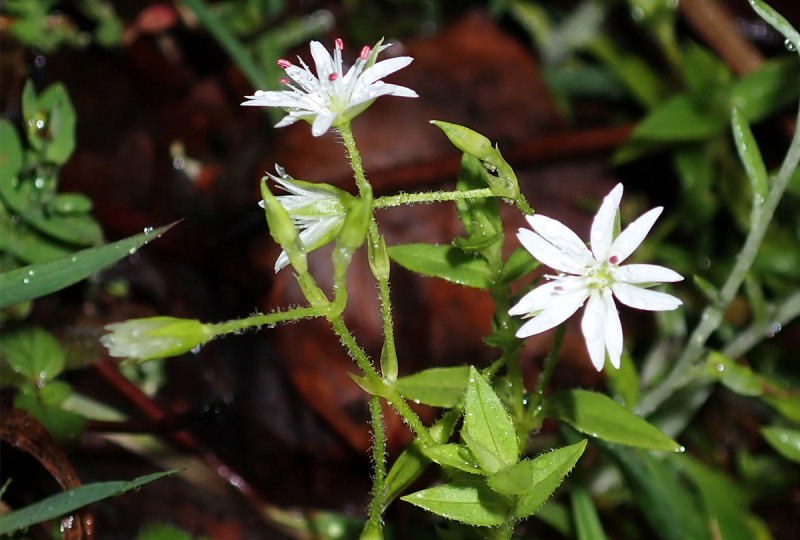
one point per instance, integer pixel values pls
(273, 415)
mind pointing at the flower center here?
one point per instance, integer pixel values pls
(599, 276)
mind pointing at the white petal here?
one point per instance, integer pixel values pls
(613, 330)
(281, 262)
(639, 298)
(322, 122)
(593, 328)
(562, 236)
(543, 296)
(383, 68)
(274, 99)
(645, 273)
(633, 235)
(303, 77)
(323, 61)
(602, 232)
(553, 315)
(548, 254)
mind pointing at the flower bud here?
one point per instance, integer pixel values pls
(154, 337)
(498, 173)
(283, 230)
(379, 259)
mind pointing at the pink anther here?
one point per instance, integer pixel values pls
(339, 44)
(613, 259)
(283, 80)
(333, 76)
(365, 52)
(283, 64)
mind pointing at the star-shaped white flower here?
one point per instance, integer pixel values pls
(592, 277)
(317, 210)
(332, 97)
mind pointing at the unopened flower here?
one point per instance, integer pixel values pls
(317, 210)
(332, 97)
(154, 337)
(592, 277)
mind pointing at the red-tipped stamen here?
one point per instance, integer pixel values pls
(365, 52)
(339, 44)
(333, 76)
(284, 80)
(283, 64)
(613, 259)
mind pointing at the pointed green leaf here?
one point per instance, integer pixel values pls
(40, 279)
(69, 501)
(546, 473)
(60, 124)
(660, 493)
(777, 21)
(766, 90)
(785, 441)
(446, 262)
(733, 376)
(519, 264)
(788, 406)
(725, 502)
(438, 387)
(600, 416)
(488, 428)
(584, 512)
(678, 119)
(468, 502)
(453, 455)
(751, 156)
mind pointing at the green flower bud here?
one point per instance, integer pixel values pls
(356, 223)
(498, 173)
(379, 259)
(155, 337)
(283, 230)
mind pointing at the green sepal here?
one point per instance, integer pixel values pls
(373, 388)
(282, 229)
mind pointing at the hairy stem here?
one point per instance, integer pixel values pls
(431, 196)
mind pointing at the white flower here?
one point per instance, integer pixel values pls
(332, 97)
(592, 275)
(318, 210)
(155, 337)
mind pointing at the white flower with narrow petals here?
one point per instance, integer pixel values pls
(317, 210)
(332, 97)
(593, 277)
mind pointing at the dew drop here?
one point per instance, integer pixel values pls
(720, 368)
(39, 183)
(774, 329)
(26, 281)
(132, 251)
(789, 45)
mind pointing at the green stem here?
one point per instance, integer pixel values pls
(263, 320)
(355, 157)
(432, 196)
(379, 456)
(710, 319)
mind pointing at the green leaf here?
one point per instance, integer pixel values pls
(519, 264)
(10, 155)
(438, 387)
(60, 124)
(412, 462)
(70, 204)
(600, 416)
(785, 441)
(32, 352)
(584, 512)
(659, 492)
(733, 376)
(488, 429)
(81, 230)
(453, 455)
(63, 425)
(678, 120)
(69, 501)
(725, 502)
(751, 157)
(40, 279)
(624, 382)
(766, 90)
(706, 76)
(788, 406)
(468, 502)
(446, 262)
(777, 21)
